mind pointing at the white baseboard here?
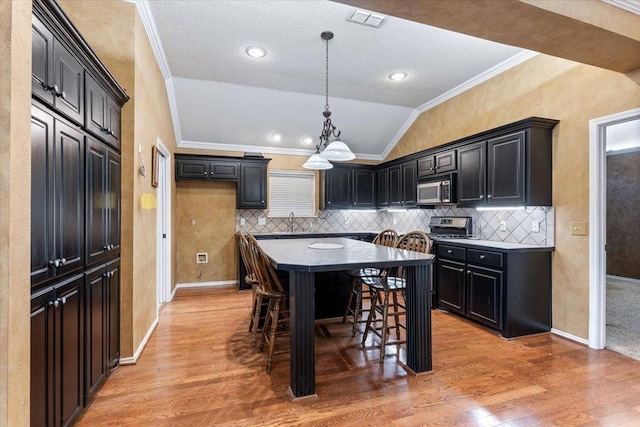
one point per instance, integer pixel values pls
(133, 360)
(570, 337)
(624, 279)
(218, 284)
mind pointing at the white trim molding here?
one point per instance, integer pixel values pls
(133, 360)
(628, 5)
(569, 336)
(146, 16)
(218, 284)
(598, 223)
(623, 279)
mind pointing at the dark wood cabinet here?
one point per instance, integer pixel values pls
(41, 61)
(57, 352)
(512, 167)
(252, 186)
(433, 164)
(349, 187)
(509, 291)
(102, 113)
(57, 188)
(395, 186)
(472, 174)
(103, 202)
(383, 187)
(402, 183)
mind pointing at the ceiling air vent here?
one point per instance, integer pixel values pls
(365, 17)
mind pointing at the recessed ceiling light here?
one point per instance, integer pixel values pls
(276, 137)
(307, 140)
(398, 76)
(256, 52)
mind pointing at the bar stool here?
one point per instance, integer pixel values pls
(270, 289)
(386, 237)
(250, 278)
(386, 290)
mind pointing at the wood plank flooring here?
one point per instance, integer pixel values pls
(199, 369)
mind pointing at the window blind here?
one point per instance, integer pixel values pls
(292, 191)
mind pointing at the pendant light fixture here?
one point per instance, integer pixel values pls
(335, 150)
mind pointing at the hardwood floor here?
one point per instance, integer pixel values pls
(199, 369)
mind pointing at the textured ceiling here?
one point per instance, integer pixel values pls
(225, 97)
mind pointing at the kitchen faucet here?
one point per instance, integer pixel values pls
(292, 226)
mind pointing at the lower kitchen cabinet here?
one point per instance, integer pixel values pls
(508, 290)
(102, 307)
(57, 353)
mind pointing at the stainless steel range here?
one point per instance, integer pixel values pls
(450, 227)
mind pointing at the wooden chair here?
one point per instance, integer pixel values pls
(388, 292)
(270, 289)
(385, 238)
(250, 278)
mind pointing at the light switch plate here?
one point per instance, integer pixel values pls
(243, 221)
(503, 225)
(535, 226)
(262, 221)
(579, 228)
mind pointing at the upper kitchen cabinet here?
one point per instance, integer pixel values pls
(403, 179)
(349, 187)
(444, 161)
(382, 183)
(102, 113)
(57, 77)
(252, 186)
(510, 166)
(207, 168)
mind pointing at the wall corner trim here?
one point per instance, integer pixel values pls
(570, 336)
(133, 360)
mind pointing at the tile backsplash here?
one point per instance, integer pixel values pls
(486, 224)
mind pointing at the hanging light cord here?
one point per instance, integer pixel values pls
(328, 128)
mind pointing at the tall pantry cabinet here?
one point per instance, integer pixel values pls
(75, 219)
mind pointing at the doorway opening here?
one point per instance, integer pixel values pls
(598, 221)
(163, 228)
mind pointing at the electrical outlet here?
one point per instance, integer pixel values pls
(262, 221)
(503, 225)
(535, 226)
(395, 221)
(202, 258)
(346, 220)
(243, 221)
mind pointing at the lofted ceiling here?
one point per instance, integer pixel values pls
(223, 99)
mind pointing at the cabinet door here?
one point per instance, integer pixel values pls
(506, 170)
(113, 204)
(42, 361)
(485, 296)
(220, 170)
(95, 107)
(395, 186)
(471, 174)
(383, 188)
(192, 169)
(445, 161)
(364, 184)
(426, 166)
(409, 184)
(338, 188)
(41, 61)
(69, 195)
(96, 189)
(68, 83)
(113, 303)
(96, 291)
(42, 216)
(252, 187)
(451, 280)
(112, 120)
(69, 349)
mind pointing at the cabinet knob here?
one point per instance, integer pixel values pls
(461, 270)
(63, 95)
(63, 300)
(63, 261)
(468, 271)
(46, 86)
(449, 251)
(481, 196)
(489, 196)
(205, 173)
(55, 302)
(55, 89)
(111, 132)
(482, 257)
(55, 263)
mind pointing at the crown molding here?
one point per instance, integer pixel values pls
(154, 38)
(628, 5)
(214, 146)
(500, 68)
(173, 108)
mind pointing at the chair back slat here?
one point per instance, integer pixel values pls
(386, 237)
(265, 273)
(416, 241)
(244, 254)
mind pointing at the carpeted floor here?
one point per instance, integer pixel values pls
(623, 317)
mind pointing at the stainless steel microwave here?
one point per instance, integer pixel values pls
(436, 191)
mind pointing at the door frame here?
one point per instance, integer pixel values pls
(598, 223)
(163, 287)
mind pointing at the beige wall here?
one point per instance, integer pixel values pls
(553, 88)
(15, 225)
(115, 32)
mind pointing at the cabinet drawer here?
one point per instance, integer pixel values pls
(223, 170)
(451, 252)
(493, 259)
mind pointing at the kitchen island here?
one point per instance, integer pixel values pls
(302, 262)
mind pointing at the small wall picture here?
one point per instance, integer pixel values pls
(154, 166)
